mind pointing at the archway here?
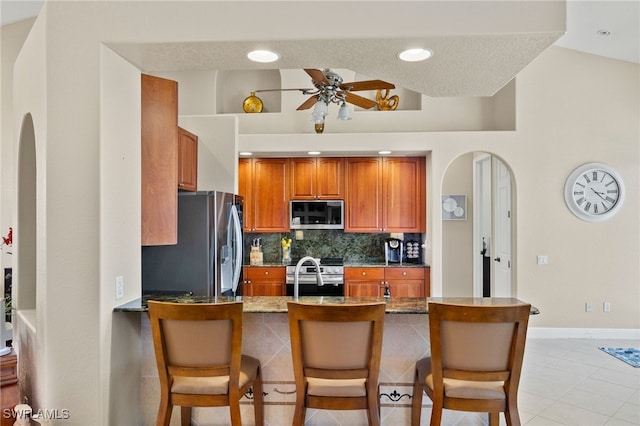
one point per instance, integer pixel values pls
(478, 237)
(25, 274)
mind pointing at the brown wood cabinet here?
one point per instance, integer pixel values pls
(364, 282)
(187, 160)
(159, 162)
(385, 194)
(404, 180)
(317, 178)
(263, 182)
(264, 281)
(405, 282)
(401, 281)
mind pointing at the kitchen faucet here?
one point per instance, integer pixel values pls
(296, 273)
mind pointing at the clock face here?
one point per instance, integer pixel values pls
(594, 192)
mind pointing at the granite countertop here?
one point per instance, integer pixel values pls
(278, 304)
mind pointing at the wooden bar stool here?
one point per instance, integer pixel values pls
(336, 357)
(198, 353)
(475, 363)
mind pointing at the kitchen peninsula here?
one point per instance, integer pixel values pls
(266, 337)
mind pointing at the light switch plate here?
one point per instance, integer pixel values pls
(119, 287)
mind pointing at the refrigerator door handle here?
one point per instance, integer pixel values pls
(237, 248)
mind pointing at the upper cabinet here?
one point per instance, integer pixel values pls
(159, 162)
(317, 178)
(404, 181)
(187, 160)
(385, 194)
(263, 182)
(363, 194)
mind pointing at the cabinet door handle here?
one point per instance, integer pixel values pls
(266, 272)
(364, 273)
(404, 272)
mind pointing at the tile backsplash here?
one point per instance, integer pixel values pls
(352, 247)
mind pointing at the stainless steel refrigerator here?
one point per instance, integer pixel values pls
(207, 261)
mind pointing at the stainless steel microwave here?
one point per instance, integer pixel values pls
(317, 214)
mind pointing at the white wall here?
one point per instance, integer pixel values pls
(457, 235)
(120, 180)
(11, 39)
(571, 108)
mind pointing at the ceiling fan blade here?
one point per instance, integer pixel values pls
(359, 100)
(367, 85)
(317, 76)
(308, 103)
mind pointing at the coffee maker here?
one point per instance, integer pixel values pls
(393, 250)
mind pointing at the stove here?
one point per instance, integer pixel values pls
(332, 271)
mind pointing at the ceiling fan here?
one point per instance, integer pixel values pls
(328, 88)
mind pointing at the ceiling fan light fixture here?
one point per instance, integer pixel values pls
(320, 110)
(344, 113)
(263, 56)
(415, 55)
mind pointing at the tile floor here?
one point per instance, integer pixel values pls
(564, 382)
(570, 382)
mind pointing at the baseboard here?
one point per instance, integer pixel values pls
(583, 333)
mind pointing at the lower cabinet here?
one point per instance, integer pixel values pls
(264, 281)
(364, 282)
(397, 281)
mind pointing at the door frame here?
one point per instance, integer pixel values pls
(482, 218)
(484, 222)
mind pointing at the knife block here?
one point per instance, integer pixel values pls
(255, 256)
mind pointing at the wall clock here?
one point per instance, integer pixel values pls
(594, 192)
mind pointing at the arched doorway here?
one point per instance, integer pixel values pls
(25, 274)
(478, 245)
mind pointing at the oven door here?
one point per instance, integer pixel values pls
(312, 289)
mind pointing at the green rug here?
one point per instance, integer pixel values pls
(629, 355)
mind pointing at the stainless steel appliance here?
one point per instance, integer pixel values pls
(317, 214)
(393, 249)
(207, 261)
(332, 271)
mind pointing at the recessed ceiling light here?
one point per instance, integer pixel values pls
(415, 55)
(314, 153)
(245, 153)
(384, 152)
(263, 56)
(603, 32)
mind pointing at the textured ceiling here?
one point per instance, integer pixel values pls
(479, 46)
(462, 66)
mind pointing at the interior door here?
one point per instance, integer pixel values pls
(482, 234)
(502, 230)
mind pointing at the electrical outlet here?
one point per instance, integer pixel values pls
(588, 307)
(543, 260)
(606, 307)
(119, 287)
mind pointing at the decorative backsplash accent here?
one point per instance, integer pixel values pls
(352, 247)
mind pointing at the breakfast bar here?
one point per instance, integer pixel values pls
(266, 337)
